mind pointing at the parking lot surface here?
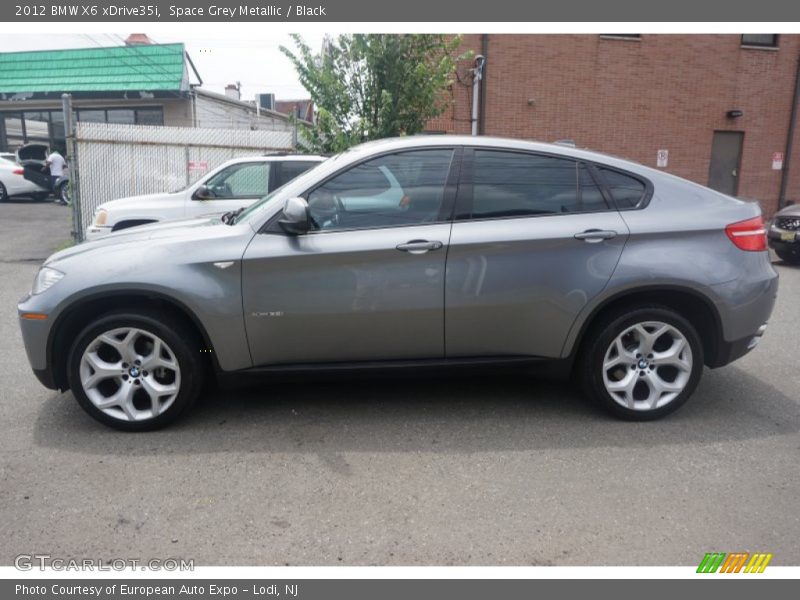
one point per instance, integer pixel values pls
(492, 470)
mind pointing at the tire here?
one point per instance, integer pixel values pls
(62, 193)
(619, 373)
(115, 389)
(3, 193)
(788, 257)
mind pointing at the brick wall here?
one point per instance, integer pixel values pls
(632, 98)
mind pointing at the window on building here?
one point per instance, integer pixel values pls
(509, 184)
(121, 116)
(621, 36)
(37, 127)
(149, 116)
(92, 116)
(14, 133)
(762, 40)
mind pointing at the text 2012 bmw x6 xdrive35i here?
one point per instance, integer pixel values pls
(415, 252)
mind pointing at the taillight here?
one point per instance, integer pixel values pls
(750, 235)
(18, 171)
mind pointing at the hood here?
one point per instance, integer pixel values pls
(793, 210)
(138, 201)
(145, 235)
(33, 151)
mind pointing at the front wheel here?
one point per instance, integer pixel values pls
(135, 371)
(642, 364)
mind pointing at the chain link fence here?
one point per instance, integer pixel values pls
(114, 161)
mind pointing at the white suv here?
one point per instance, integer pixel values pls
(236, 184)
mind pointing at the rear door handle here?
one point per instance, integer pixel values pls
(419, 246)
(595, 235)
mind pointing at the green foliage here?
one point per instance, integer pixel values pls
(371, 86)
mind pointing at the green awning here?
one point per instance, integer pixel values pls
(155, 67)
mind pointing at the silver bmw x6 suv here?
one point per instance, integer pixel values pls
(415, 252)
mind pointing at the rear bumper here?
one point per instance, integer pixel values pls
(731, 351)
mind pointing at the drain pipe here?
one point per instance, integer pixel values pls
(477, 75)
(482, 114)
(787, 155)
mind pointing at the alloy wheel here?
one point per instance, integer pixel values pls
(647, 366)
(130, 374)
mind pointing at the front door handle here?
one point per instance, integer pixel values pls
(595, 235)
(419, 246)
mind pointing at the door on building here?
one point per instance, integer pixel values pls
(726, 154)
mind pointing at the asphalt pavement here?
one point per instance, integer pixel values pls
(484, 471)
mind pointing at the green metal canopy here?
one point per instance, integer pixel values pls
(156, 67)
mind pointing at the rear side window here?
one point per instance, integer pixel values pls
(627, 191)
(290, 170)
(509, 184)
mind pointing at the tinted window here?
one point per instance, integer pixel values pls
(290, 170)
(508, 184)
(627, 191)
(245, 180)
(590, 198)
(398, 189)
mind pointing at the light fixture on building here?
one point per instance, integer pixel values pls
(734, 114)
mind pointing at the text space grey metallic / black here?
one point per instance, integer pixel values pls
(412, 253)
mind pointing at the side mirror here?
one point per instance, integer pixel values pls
(202, 193)
(294, 218)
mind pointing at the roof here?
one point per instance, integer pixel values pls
(118, 68)
(244, 104)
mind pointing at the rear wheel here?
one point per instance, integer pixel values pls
(643, 363)
(62, 192)
(793, 258)
(3, 192)
(135, 371)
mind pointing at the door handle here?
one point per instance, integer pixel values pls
(419, 246)
(595, 235)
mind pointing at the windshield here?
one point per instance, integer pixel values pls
(256, 207)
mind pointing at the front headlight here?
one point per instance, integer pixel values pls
(45, 278)
(100, 217)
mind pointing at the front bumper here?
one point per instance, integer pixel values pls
(36, 338)
(784, 240)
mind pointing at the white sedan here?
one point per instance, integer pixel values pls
(13, 183)
(236, 184)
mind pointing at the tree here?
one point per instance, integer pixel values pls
(371, 86)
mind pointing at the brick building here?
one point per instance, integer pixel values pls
(720, 105)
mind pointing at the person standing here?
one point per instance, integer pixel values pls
(56, 162)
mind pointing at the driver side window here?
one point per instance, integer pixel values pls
(398, 189)
(244, 180)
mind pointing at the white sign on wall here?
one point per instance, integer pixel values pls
(777, 161)
(662, 158)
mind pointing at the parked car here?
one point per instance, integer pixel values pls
(13, 182)
(33, 158)
(491, 251)
(236, 184)
(784, 234)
